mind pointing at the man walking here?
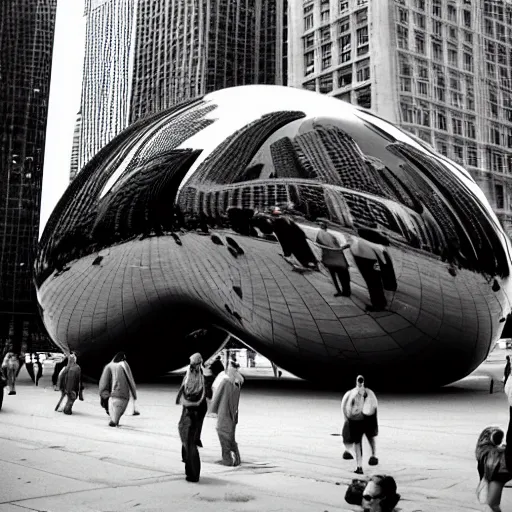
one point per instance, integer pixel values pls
(225, 404)
(70, 384)
(10, 367)
(334, 260)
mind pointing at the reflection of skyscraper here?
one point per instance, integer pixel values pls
(76, 147)
(26, 43)
(285, 160)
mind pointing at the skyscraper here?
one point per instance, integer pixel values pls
(143, 56)
(26, 44)
(438, 68)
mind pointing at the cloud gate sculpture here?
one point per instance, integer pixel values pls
(322, 236)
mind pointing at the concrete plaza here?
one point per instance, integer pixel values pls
(289, 441)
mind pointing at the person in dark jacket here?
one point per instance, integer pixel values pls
(59, 366)
(70, 383)
(191, 395)
(506, 372)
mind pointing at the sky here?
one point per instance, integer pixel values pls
(65, 89)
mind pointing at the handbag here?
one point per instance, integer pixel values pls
(354, 494)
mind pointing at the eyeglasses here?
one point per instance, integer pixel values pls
(368, 497)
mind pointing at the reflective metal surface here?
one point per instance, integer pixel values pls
(205, 219)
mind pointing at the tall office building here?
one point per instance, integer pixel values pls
(438, 68)
(143, 56)
(105, 103)
(76, 147)
(26, 44)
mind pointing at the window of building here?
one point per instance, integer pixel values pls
(363, 70)
(344, 43)
(422, 88)
(470, 127)
(325, 35)
(452, 57)
(362, 36)
(405, 84)
(452, 13)
(423, 114)
(490, 50)
(343, 25)
(494, 134)
(420, 42)
(310, 85)
(436, 8)
(470, 96)
(361, 16)
(499, 196)
(402, 37)
(507, 106)
(440, 94)
(422, 67)
(403, 15)
(504, 77)
(344, 76)
(343, 6)
(500, 32)
(326, 51)
(455, 81)
(456, 125)
(458, 153)
(468, 37)
(467, 18)
(437, 28)
(437, 51)
(419, 20)
(364, 97)
(308, 17)
(493, 101)
(502, 54)
(309, 63)
(472, 156)
(497, 162)
(489, 27)
(468, 62)
(344, 57)
(325, 84)
(452, 33)
(324, 11)
(346, 96)
(456, 99)
(309, 42)
(406, 111)
(441, 119)
(404, 65)
(442, 147)
(420, 4)
(363, 50)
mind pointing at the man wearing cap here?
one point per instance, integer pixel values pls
(225, 404)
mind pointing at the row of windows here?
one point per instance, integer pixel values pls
(405, 16)
(361, 96)
(359, 17)
(324, 36)
(343, 77)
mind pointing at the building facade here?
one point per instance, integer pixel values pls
(26, 44)
(438, 68)
(108, 65)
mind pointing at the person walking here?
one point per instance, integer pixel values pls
(359, 408)
(116, 386)
(334, 260)
(191, 396)
(10, 367)
(133, 398)
(56, 371)
(70, 384)
(225, 404)
(506, 372)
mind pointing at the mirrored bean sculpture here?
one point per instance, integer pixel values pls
(320, 235)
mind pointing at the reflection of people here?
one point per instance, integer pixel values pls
(492, 467)
(225, 404)
(334, 260)
(34, 367)
(293, 240)
(359, 408)
(368, 256)
(191, 395)
(380, 494)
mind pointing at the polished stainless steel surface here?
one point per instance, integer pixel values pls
(223, 215)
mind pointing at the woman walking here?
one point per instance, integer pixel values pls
(116, 385)
(192, 397)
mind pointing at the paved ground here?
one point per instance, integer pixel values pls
(289, 441)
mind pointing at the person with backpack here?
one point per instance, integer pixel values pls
(359, 408)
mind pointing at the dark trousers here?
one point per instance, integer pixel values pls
(343, 275)
(508, 439)
(373, 281)
(201, 413)
(187, 428)
(229, 447)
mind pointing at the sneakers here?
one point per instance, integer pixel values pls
(359, 471)
(373, 461)
(111, 424)
(347, 456)
(12, 392)
(135, 413)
